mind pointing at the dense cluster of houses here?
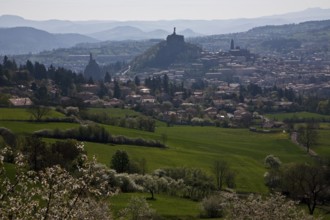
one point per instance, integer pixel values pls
(222, 74)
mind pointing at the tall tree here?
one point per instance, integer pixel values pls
(232, 45)
(117, 91)
(36, 152)
(166, 83)
(103, 91)
(137, 81)
(221, 171)
(308, 136)
(37, 111)
(107, 78)
(120, 161)
(307, 183)
(40, 71)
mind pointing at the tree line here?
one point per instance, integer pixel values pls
(95, 133)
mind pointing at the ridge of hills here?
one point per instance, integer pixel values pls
(120, 33)
(258, 40)
(205, 27)
(23, 40)
(270, 38)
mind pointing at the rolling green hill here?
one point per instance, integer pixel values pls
(187, 146)
(191, 147)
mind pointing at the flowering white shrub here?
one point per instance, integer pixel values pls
(138, 209)
(213, 206)
(54, 193)
(274, 207)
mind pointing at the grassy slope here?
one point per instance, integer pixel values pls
(22, 114)
(323, 146)
(309, 115)
(167, 206)
(23, 127)
(188, 146)
(201, 146)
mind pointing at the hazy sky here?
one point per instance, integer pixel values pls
(152, 9)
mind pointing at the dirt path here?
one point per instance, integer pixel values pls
(295, 141)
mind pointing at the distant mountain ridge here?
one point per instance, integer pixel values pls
(260, 40)
(270, 38)
(204, 27)
(22, 40)
(132, 33)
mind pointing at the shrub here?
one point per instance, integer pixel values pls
(8, 136)
(213, 206)
(138, 209)
(272, 162)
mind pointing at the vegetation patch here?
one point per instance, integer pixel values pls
(98, 134)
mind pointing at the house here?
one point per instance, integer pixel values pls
(113, 103)
(211, 111)
(144, 90)
(17, 102)
(90, 88)
(133, 98)
(148, 99)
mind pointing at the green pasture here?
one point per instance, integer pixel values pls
(297, 115)
(190, 146)
(323, 146)
(199, 147)
(22, 114)
(187, 146)
(168, 207)
(24, 127)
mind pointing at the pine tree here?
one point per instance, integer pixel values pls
(117, 91)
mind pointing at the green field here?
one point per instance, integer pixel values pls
(323, 146)
(189, 146)
(24, 127)
(297, 115)
(22, 114)
(200, 146)
(167, 206)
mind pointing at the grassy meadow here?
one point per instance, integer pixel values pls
(166, 206)
(187, 146)
(297, 115)
(22, 114)
(200, 146)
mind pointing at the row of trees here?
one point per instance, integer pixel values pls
(96, 133)
(198, 183)
(140, 122)
(38, 153)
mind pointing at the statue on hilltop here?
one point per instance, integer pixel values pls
(92, 69)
